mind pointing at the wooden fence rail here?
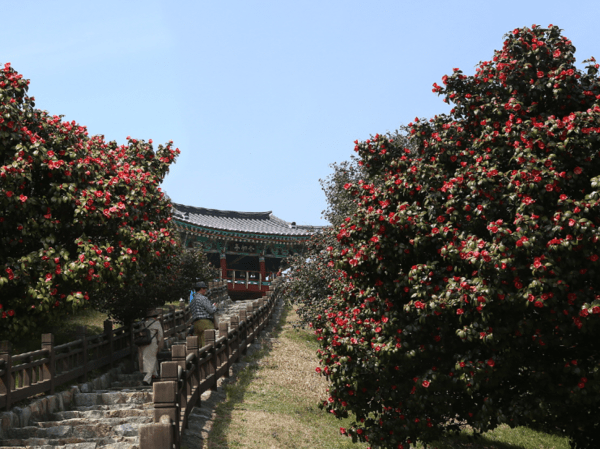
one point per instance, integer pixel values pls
(25, 375)
(193, 370)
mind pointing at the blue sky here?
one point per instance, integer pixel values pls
(260, 96)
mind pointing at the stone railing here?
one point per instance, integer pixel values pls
(42, 371)
(193, 370)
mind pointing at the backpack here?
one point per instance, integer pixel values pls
(143, 337)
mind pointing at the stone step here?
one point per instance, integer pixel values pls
(86, 445)
(84, 421)
(44, 444)
(130, 376)
(111, 428)
(127, 389)
(148, 406)
(100, 414)
(112, 398)
(127, 383)
(123, 437)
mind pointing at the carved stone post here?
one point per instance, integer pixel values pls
(6, 382)
(165, 402)
(191, 344)
(108, 332)
(132, 347)
(243, 331)
(165, 406)
(81, 334)
(49, 368)
(178, 354)
(235, 344)
(223, 332)
(210, 338)
(158, 435)
(251, 319)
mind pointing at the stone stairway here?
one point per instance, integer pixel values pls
(107, 419)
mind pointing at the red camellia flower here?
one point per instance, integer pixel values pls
(459, 311)
(426, 383)
(491, 362)
(578, 170)
(22, 198)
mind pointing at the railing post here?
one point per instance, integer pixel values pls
(235, 325)
(262, 316)
(223, 332)
(209, 339)
(6, 384)
(158, 435)
(250, 320)
(108, 332)
(178, 356)
(165, 403)
(192, 348)
(243, 331)
(81, 335)
(49, 369)
(133, 352)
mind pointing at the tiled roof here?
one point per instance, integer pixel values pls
(254, 222)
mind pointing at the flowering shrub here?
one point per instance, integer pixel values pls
(78, 215)
(164, 280)
(340, 202)
(469, 285)
(307, 284)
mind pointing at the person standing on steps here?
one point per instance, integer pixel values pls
(203, 312)
(148, 353)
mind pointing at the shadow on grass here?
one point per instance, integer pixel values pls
(64, 329)
(238, 387)
(469, 442)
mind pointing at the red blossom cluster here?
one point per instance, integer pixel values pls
(78, 214)
(469, 277)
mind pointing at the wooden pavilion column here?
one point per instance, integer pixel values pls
(224, 266)
(263, 271)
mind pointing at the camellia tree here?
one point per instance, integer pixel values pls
(469, 285)
(78, 215)
(340, 203)
(166, 279)
(307, 283)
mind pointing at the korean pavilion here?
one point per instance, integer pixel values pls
(247, 246)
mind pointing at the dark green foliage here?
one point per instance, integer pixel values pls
(469, 282)
(78, 215)
(164, 281)
(307, 284)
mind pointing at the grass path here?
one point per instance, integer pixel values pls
(273, 404)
